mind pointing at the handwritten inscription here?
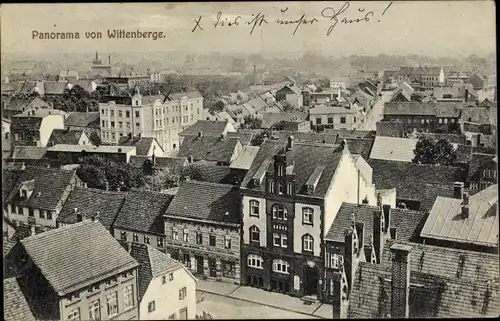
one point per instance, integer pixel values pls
(342, 15)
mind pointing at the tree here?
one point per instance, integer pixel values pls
(194, 172)
(251, 122)
(217, 107)
(428, 152)
(161, 179)
(259, 138)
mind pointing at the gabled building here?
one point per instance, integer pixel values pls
(208, 128)
(140, 218)
(204, 232)
(71, 154)
(19, 105)
(69, 137)
(34, 128)
(358, 234)
(291, 94)
(94, 277)
(217, 150)
(422, 281)
(36, 195)
(145, 146)
(89, 122)
(483, 171)
(167, 289)
(334, 117)
(290, 197)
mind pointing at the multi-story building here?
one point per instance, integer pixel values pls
(203, 232)
(140, 218)
(71, 154)
(483, 171)
(33, 128)
(94, 278)
(334, 117)
(37, 195)
(167, 289)
(158, 116)
(290, 197)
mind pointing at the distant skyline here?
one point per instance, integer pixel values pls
(447, 28)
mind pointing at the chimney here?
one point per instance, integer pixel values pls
(478, 140)
(465, 211)
(289, 145)
(466, 95)
(200, 135)
(107, 186)
(393, 233)
(400, 285)
(191, 159)
(458, 190)
(96, 217)
(377, 234)
(33, 229)
(337, 294)
(350, 256)
(387, 217)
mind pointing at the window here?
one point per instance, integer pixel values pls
(289, 189)
(95, 310)
(254, 208)
(255, 261)
(24, 194)
(146, 239)
(103, 111)
(280, 240)
(74, 315)
(170, 276)
(163, 279)
(422, 121)
(30, 212)
(280, 188)
(103, 123)
(227, 242)
(342, 120)
(112, 113)
(137, 114)
(254, 234)
(113, 136)
(128, 297)
(159, 241)
(307, 215)
(330, 120)
(127, 114)
(120, 124)
(212, 240)
(440, 120)
(137, 125)
(185, 235)
(198, 110)
(175, 235)
(199, 238)
(112, 303)
(281, 266)
(42, 214)
(279, 212)
(49, 215)
(354, 119)
(120, 113)
(318, 121)
(307, 243)
(136, 237)
(335, 261)
(446, 120)
(182, 293)
(280, 170)
(112, 124)
(151, 306)
(124, 236)
(271, 187)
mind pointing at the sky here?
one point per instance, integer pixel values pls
(434, 28)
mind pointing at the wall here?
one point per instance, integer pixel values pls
(84, 298)
(153, 238)
(166, 296)
(248, 220)
(300, 229)
(350, 120)
(49, 123)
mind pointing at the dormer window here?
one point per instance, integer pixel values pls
(280, 170)
(24, 193)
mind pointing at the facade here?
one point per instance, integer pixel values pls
(68, 136)
(167, 289)
(98, 281)
(34, 128)
(290, 197)
(483, 171)
(291, 94)
(203, 232)
(333, 117)
(71, 154)
(151, 116)
(36, 196)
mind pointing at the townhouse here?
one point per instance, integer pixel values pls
(94, 278)
(483, 171)
(290, 197)
(204, 232)
(158, 116)
(19, 105)
(167, 289)
(34, 128)
(334, 117)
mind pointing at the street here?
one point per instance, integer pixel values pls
(377, 113)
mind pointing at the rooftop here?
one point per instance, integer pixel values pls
(142, 211)
(441, 109)
(208, 148)
(65, 136)
(142, 144)
(245, 158)
(91, 149)
(322, 109)
(208, 128)
(244, 137)
(189, 94)
(393, 148)
(480, 227)
(408, 223)
(82, 119)
(15, 305)
(89, 203)
(70, 262)
(270, 119)
(28, 152)
(214, 202)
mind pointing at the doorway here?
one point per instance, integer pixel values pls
(199, 264)
(311, 280)
(212, 265)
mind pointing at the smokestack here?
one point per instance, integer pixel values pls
(478, 140)
(458, 190)
(289, 146)
(377, 234)
(400, 285)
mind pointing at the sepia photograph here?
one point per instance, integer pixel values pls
(249, 160)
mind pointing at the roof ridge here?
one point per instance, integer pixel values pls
(442, 249)
(58, 230)
(208, 183)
